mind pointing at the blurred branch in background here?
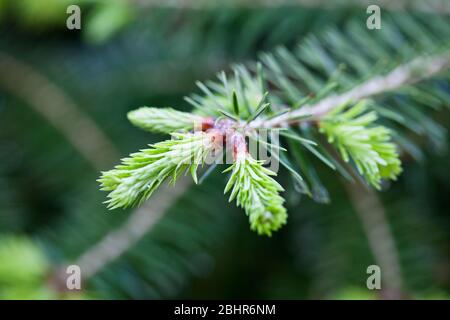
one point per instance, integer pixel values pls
(381, 241)
(103, 19)
(57, 108)
(118, 241)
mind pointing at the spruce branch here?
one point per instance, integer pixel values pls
(306, 93)
(412, 72)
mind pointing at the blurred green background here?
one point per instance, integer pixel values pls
(64, 95)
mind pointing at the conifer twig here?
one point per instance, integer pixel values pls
(412, 72)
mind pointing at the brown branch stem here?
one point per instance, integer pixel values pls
(409, 73)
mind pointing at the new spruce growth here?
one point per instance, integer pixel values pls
(226, 117)
(143, 172)
(257, 192)
(165, 120)
(358, 138)
(281, 95)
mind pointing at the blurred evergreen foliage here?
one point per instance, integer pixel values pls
(125, 57)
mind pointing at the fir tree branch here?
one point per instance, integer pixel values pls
(291, 80)
(352, 130)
